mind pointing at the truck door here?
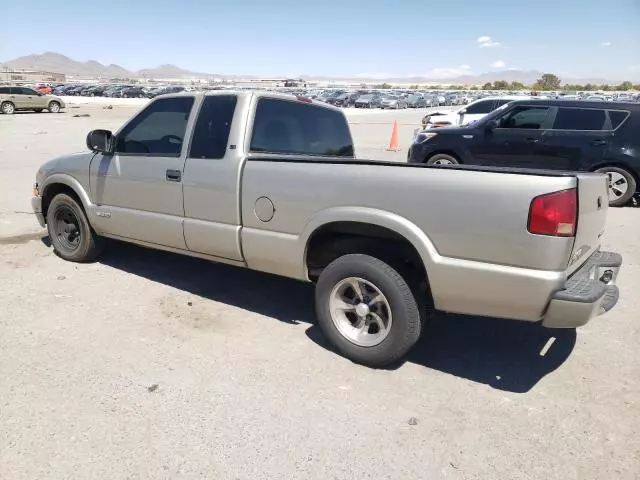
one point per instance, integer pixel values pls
(138, 189)
(212, 178)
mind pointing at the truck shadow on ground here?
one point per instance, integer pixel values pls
(503, 354)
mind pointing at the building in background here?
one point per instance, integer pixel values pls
(8, 75)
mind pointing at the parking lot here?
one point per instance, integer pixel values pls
(150, 365)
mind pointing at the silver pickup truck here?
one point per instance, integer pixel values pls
(270, 182)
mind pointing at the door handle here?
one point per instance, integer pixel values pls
(599, 142)
(532, 140)
(174, 175)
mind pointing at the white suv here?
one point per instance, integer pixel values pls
(467, 113)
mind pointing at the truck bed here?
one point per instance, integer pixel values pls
(472, 219)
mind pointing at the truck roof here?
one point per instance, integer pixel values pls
(250, 93)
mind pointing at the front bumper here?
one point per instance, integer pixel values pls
(589, 292)
(36, 205)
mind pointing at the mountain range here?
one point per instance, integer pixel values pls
(58, 63)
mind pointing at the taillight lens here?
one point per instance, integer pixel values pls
(554, 214)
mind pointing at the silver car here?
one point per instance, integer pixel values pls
(13, 99)
(392, 101)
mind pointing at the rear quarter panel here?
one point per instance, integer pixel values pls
(470, 227)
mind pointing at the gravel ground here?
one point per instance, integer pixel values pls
(148, 365)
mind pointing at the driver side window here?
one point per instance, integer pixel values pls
(524, 117)
(158, 130)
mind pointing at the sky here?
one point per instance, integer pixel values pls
(373, 38)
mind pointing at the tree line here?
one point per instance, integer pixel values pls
(547, 82)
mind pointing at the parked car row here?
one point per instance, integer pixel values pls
(115, 91)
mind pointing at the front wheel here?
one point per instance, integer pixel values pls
(54, 107)
(72, 237)
(7, 108)
(367, 310)
(622, 185)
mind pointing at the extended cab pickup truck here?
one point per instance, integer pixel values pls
(270, 182)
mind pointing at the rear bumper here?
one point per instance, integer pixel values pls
(589, 292)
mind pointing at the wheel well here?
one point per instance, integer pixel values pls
(342, 238)
(56, 189)
(622, 166)
(445, 152)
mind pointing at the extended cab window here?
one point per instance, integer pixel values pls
(579, 119)
(211, 132)
(483, 107)
(524, 117)
(158, 130)
(295, 127)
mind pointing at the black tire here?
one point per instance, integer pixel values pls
(38, 110)
(406, 322)
(631, 185)
(65, 217)
(7, 108)
(440, 158)
(54, 107)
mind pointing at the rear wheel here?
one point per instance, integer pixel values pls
(367, 310)
(442, 159)
(7, 108)
(72, 237)
(622, 185)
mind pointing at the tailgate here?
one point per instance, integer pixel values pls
(593, 202)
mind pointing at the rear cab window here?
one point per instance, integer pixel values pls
(299, 128)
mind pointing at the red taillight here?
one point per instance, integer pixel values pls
(554, 214)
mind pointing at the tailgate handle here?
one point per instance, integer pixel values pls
(532, 140)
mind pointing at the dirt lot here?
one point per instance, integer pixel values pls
(148, 365)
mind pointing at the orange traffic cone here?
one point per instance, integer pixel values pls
(394, 146)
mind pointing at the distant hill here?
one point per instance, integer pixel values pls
(55, 62)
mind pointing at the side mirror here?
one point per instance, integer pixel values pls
(461, 116)
(100, 141)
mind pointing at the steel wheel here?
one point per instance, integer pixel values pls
(360, 312)
(8, 108)
(67, 228)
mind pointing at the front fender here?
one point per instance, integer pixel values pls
(69, 181)
(392, 221)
